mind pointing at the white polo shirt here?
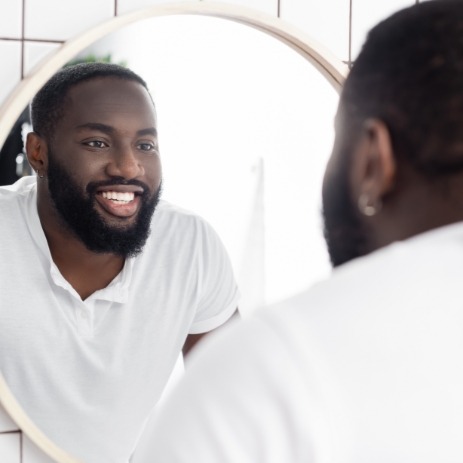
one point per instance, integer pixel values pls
(89, 372)
(364, 367)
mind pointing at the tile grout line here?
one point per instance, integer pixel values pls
(23, 27)
(12, 39)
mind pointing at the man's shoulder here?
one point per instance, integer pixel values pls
(166, 208)
(15, 198)
(17, 203)
(21, 187)
(176, 217)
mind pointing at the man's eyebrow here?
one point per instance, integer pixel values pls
(96, 126)
(110, 130)
(149, 131)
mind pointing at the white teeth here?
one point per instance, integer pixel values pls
(118, 196)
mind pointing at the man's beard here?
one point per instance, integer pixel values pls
(345, 234)
(80, 216)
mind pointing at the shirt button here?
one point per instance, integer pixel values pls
(83, 314)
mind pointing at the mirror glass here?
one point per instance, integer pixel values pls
(245, 128)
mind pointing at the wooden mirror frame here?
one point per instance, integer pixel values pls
(24, 423)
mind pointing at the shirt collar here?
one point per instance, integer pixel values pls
(116, 291)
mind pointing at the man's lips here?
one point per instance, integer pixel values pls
(119, 200)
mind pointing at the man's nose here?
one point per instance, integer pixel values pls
(125, 163)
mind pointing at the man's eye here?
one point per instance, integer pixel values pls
(147, 147)
(96, 144)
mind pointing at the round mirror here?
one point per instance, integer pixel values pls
(245, 126)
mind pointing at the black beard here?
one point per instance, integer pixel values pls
(345, 234)
(81, 218)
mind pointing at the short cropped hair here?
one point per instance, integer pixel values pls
(48, 105)
(409, 74)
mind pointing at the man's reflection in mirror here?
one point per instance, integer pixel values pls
(103, 283)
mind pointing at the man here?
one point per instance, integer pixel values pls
(367, 365)
(102, 284)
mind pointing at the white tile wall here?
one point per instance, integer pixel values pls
(10, 52)
(10, 448)
(326, 22)
(63, 19)
(267, 6)
(15, 446)
(365, 14)
(6, 423)
(34, 52)
(124, 6)
(11, 19)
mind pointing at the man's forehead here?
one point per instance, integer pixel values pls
(107, 98)
(100, 89)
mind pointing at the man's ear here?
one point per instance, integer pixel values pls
(37, 153)
(374, 166)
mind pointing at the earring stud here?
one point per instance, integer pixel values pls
(365, 206)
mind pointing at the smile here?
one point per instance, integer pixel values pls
(118, 197)
(122, 204)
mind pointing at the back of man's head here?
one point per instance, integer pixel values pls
(49, 103)
(409, 74)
